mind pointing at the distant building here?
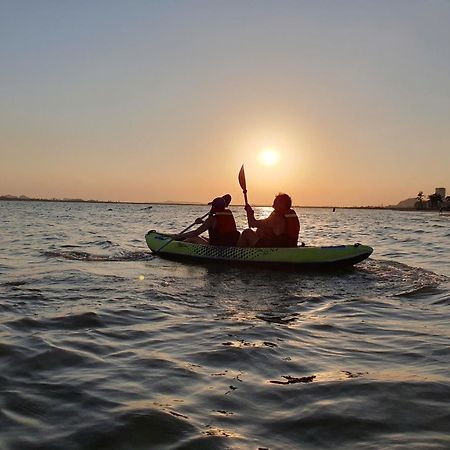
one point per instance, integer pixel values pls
(438, 200)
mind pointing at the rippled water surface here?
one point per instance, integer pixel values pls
(105, 346)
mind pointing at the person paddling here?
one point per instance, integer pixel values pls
(280, 229)
(227, 199)
(220, 225)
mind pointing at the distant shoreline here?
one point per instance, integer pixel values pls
(76, 200)
(68, 200)
(111, 202)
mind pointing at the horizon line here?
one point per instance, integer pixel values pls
(180, 203)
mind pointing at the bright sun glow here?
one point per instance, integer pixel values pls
(269, 157)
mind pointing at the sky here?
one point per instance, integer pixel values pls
(154, 101)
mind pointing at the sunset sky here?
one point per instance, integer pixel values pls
(165, 100)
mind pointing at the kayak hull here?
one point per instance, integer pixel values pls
(317, 258)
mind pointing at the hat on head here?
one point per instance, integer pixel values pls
(227, 198)
(218, 203)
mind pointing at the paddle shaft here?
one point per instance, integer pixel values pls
(184, 231)
(245, 197)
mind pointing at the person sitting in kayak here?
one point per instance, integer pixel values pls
(220, 225)
(227, 199)
(280, 229)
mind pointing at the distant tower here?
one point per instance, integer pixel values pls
(440, 191)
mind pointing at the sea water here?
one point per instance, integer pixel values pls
(106, 346)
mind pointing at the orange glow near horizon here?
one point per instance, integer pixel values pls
(170, 111)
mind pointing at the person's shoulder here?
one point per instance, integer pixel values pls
(274, 218)
(211, 221)
(277, 216)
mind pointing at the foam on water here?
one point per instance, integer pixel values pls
(86, 256)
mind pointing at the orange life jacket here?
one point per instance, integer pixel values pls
(224, 232)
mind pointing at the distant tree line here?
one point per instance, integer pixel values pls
(23, 198)
(435, 201)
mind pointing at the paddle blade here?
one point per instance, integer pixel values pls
(241, 178)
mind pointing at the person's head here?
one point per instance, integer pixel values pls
(227, 198)
(282, 202)
(218, 204)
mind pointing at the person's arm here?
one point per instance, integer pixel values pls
(255, 223)
(201, 229)
(199, 220)
(252, 222)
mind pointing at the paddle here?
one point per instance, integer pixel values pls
(184, 231)
(243, 183)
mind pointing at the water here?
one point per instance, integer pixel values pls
(105, 346)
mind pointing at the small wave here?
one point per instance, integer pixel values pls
(400, 280)
(19, 294)
(71, 255)
(282, 320)
(77, 321)
(394, 269)
(85, 256)
(438, 225)
(144, 425)
(425, 291)
(24, 324)
(21, 406)
(4, 267)
(53, 357)
(103, 243)
(442, 298)
(444, 301)
(15, 283)
(72, 322)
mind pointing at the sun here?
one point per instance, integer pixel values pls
(269, 157)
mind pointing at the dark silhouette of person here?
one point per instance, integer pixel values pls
(280, 229)
(220, 225)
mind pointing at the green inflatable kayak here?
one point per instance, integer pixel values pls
(295, 257)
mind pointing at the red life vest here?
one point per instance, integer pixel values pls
(288, 238)
(292, 228)
(224, 232)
